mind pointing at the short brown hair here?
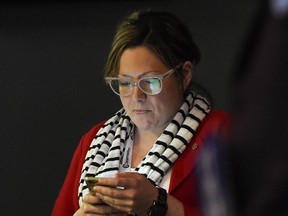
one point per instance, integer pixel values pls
(160, 31)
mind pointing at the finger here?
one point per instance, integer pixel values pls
(119, 214)
(129, 175)
(128, 179)
(120, 192)
(99, 209)
(123, 203)
(109, 182)
(104, 193)
(92, 199)
(122, 180)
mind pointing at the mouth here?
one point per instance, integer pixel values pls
(141, 112)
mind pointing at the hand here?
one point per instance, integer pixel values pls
(93, 206)
(128, 192)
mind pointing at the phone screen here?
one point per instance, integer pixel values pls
(91, 182)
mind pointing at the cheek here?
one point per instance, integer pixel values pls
(168, 103)
(173, 94)
(124, 102)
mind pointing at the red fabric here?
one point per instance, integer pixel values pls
(182, 184)
(67, 201)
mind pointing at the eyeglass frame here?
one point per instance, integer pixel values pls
(160, 78)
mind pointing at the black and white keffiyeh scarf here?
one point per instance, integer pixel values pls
(106, 149)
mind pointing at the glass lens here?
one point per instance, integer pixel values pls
(121, 87)
(125, 87)
(150, 86)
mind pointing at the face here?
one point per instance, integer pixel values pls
(150, 112)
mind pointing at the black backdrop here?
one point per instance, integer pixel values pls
(52, 55)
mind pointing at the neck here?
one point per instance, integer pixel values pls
(145, 137)
(142, 143)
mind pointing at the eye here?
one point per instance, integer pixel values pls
(152, 82)
(124, 83)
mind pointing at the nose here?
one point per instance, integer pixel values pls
(138, 94)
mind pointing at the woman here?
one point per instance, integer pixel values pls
(145, 155)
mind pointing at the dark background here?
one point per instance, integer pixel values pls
(52, 56)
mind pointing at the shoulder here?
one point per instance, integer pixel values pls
(216, 121)
(92, 132)
(89, 136)
(217, 117)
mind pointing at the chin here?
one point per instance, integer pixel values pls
(143, 125)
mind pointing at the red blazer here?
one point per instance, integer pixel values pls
(183, 185)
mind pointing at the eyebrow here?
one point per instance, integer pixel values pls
(145, 74)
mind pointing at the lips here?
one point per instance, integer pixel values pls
(139, 112)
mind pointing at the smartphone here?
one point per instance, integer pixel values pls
(91, 182)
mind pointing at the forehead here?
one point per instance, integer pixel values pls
(139, 60)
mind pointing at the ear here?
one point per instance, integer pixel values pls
(187, 70)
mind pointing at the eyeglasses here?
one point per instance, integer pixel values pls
(123, 86)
